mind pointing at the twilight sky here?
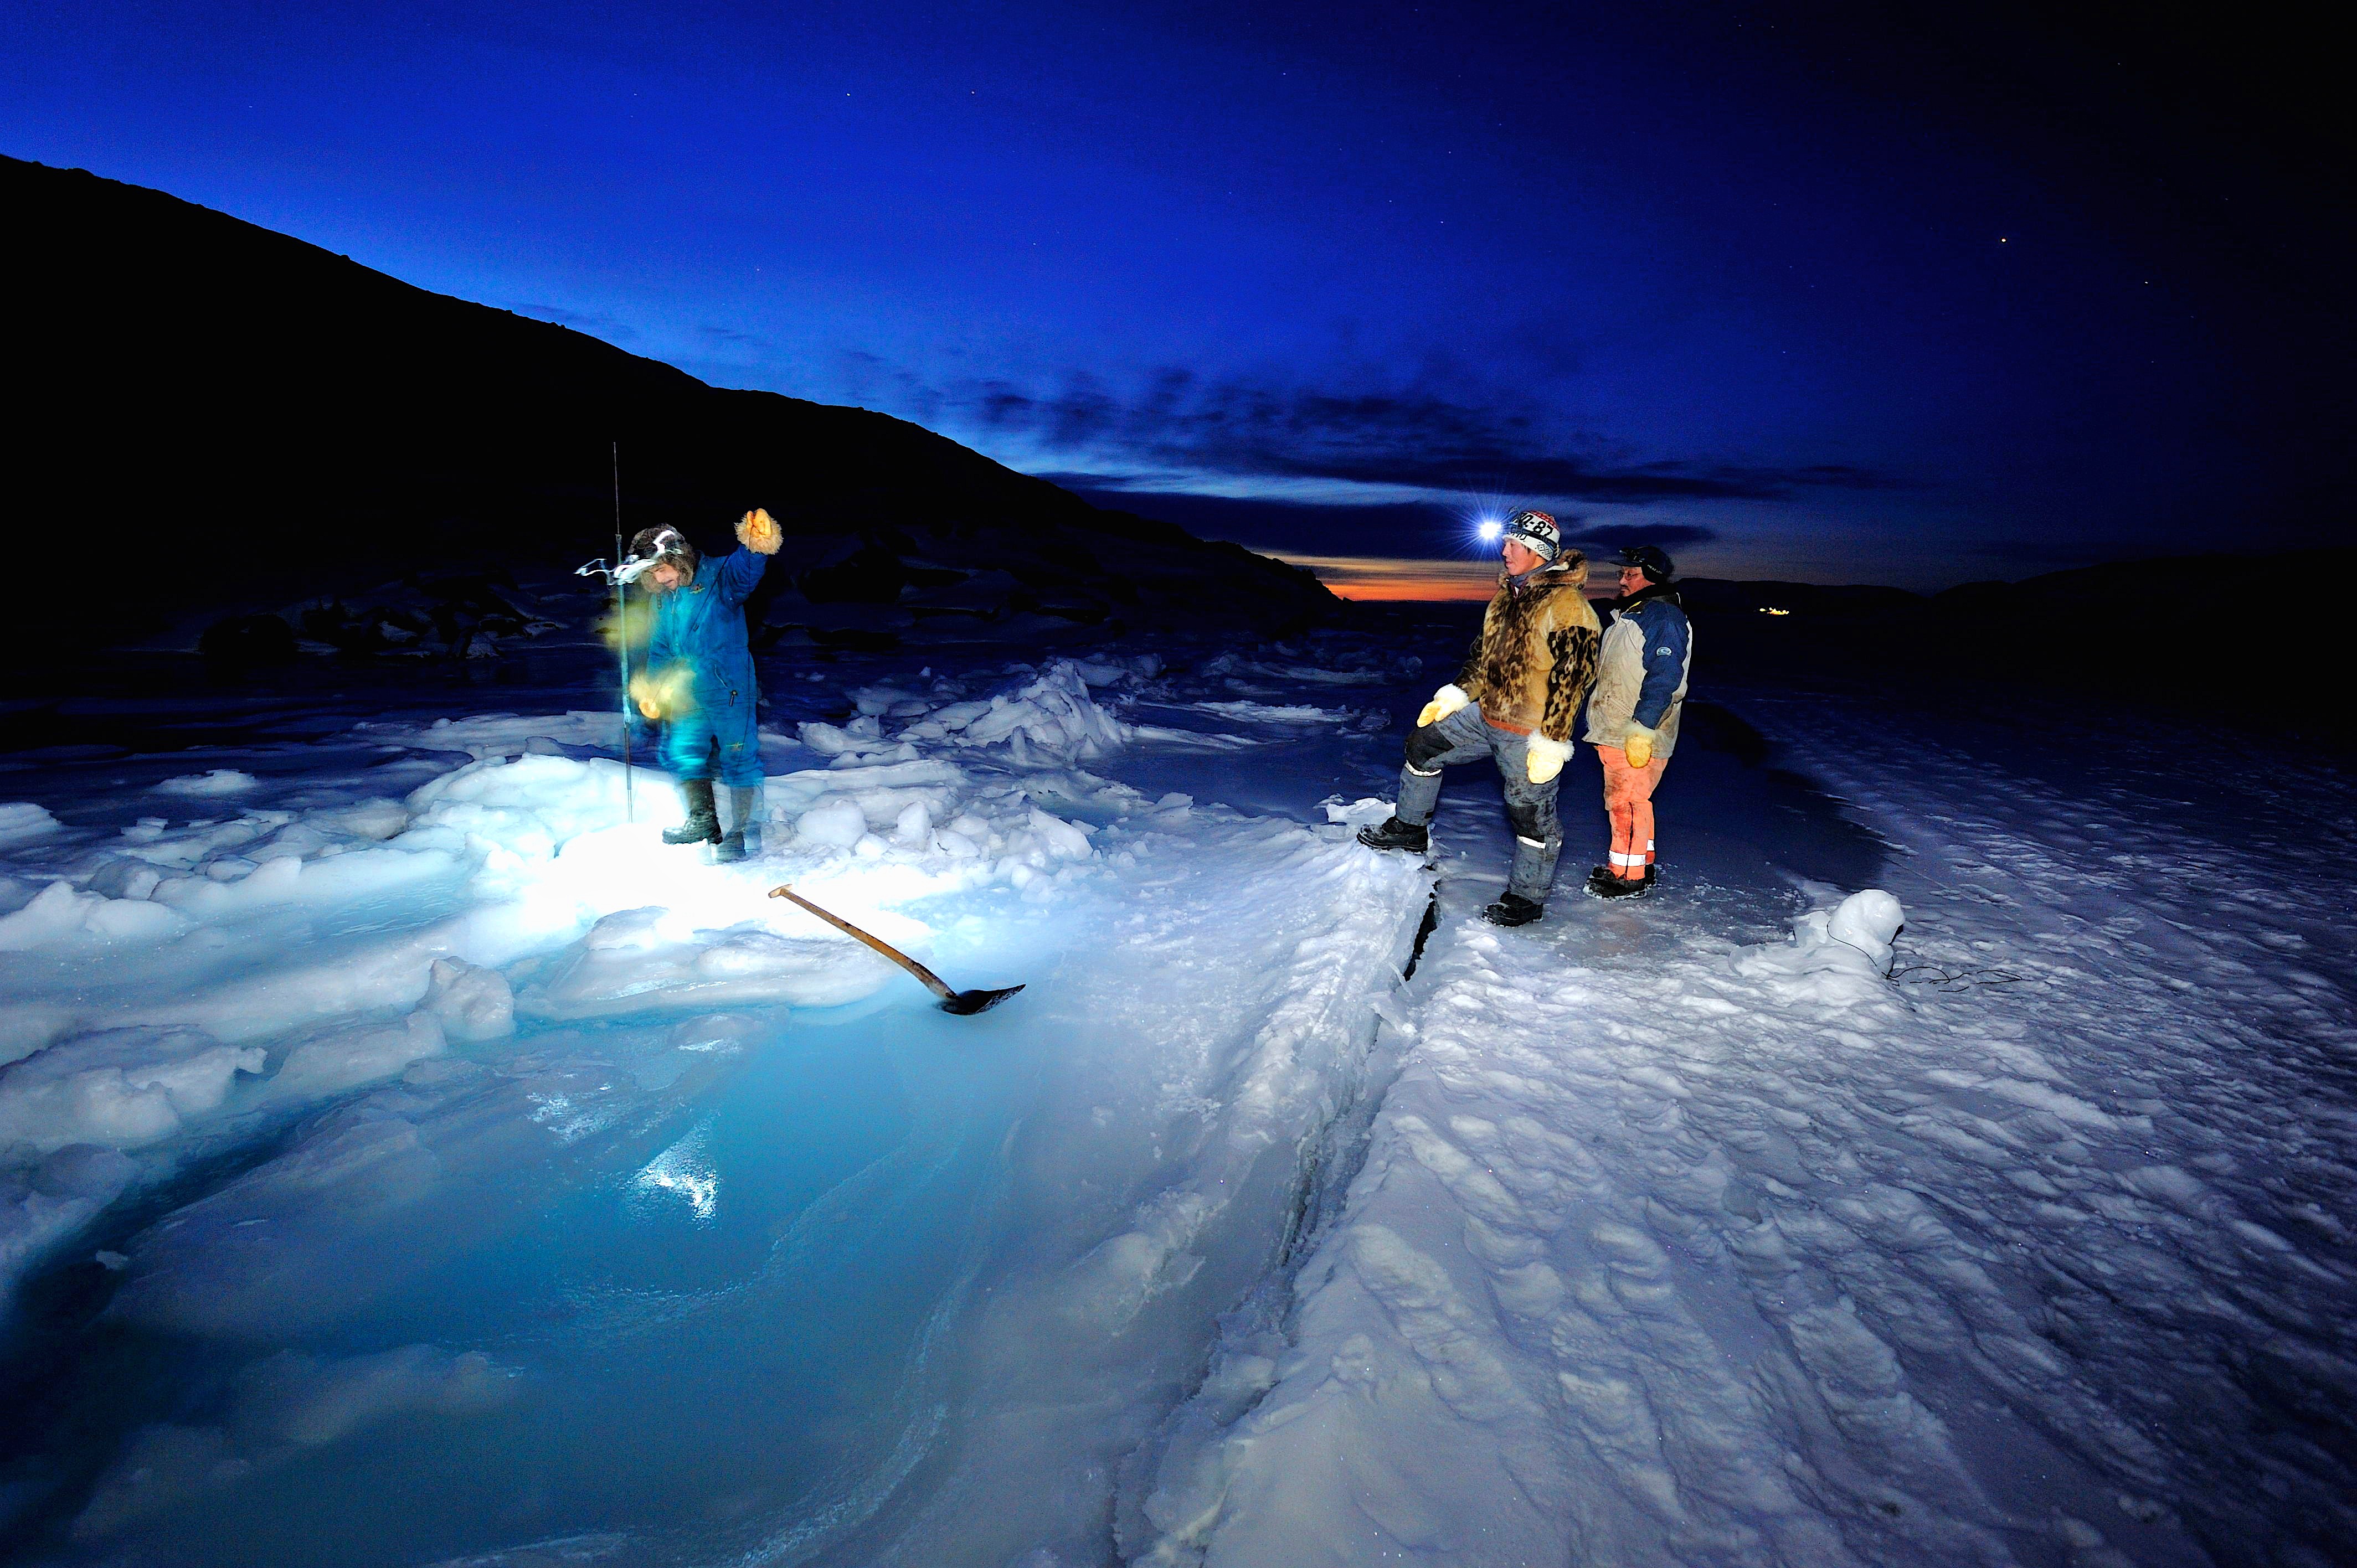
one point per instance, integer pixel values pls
(1812, 291)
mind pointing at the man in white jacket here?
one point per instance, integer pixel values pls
(1632, 719)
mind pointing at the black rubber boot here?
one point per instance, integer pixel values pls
(1396, 835)
(702, 824)
(1605, 884)
(739, 831)
(1513, 910)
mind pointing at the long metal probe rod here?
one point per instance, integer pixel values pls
(622, 640)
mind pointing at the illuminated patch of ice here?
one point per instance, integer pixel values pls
(58, 913)
(1278, 713)
(1365, 812)
(217, 781)
(682, 1172)
(121, 1088)
(568, 1122)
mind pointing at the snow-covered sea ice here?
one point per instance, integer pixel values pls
(406, 1159)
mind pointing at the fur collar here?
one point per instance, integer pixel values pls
(1566, 569)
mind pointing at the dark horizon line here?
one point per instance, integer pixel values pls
(2202, 560)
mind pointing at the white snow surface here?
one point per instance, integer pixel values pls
(397, 1038)
(285, 953)
(1676, 1252)
(488, 1183)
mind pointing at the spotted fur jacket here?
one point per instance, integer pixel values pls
(1534, 660)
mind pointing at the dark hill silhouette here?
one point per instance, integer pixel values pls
(215, 416)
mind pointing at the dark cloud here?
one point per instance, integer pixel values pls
(1666, 535)
(1416, 530)
(870, 380)
(1416, 438)
(729, 338)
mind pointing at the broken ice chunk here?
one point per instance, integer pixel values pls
(472, 1002)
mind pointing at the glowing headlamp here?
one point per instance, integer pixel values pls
(636, 567)
(670, 541)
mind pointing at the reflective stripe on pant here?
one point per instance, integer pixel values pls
(1628, 801)
(1464, 736)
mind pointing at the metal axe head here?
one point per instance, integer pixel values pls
(970, 1002)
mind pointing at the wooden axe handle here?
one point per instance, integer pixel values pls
(933, 982)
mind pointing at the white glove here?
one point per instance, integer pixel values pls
(1639, 744)
(1445, 702)
(1547, 757)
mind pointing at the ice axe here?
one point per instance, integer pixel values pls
(961, 1003)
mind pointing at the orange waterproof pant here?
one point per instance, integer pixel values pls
(1628, 801)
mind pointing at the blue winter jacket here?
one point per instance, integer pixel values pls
(702, 624)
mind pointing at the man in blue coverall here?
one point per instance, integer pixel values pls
(698, 680)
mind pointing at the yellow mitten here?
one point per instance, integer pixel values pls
(1546, 758)
(664, 696)
(1445, 702)
(759, 532)
(1639, 746)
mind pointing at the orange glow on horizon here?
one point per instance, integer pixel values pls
(1398, 577)
(1394, 577)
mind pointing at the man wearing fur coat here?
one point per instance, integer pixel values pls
(1516, 702)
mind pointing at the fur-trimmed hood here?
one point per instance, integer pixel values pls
(1570, 568)
(660, 545)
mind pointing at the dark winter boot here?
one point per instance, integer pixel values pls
(702, 824)
(1605, 884)
(1513, 910)
(740, 824)
(1396, 835)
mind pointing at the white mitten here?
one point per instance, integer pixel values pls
(1445, 702)
(1547, 757)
